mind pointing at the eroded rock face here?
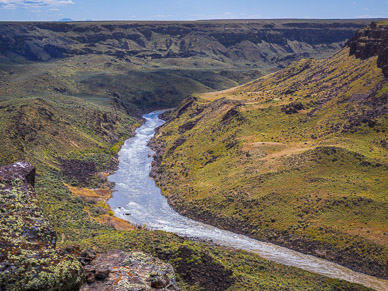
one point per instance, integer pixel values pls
(20, 170)
(251, 41)
(369, 42)
(28, 258)
(123, 271)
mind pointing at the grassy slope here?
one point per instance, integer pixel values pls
(105, 79)
(39, 128)
(313, 179)
(78, 138)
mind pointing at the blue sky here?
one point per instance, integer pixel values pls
(20, 10)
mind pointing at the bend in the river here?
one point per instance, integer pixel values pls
(135, 193)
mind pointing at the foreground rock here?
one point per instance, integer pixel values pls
(117, 270)
(28, 258)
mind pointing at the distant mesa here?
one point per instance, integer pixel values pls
(255, 44)
(65, 20)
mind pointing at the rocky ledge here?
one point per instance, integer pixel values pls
(371, 41)
(29, 259)
(123, 271)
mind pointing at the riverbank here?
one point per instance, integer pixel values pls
(151, 209)
(98, 209)
(299, 241)
(296, 158)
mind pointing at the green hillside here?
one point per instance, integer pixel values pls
(298, 158)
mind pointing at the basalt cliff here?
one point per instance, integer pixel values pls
(29, 259)
(369, 42)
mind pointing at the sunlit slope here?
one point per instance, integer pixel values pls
(41, 130)
(297, 157)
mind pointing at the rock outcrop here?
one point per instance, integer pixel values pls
(118, 270)
(29, 259)
(369, 42)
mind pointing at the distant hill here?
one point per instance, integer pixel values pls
(264, 44)
(147, 65)
(65, 20)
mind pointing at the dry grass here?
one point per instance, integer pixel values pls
(101, 195)
(117, 223)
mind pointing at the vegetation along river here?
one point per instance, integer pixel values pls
(136, 193)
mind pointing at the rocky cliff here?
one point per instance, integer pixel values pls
(29, 259)
(371, 41)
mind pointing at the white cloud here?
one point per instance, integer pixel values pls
(227, 15)
(162, 16)
(13, 4)
(370, 16)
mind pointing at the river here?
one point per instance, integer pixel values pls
(137, 199)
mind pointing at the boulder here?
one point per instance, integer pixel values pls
(20, 170)
(125, 271)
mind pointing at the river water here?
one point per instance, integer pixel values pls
(137, 199)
